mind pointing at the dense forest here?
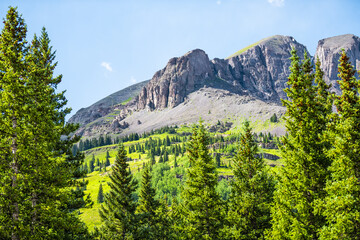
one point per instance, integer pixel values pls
(314, 194)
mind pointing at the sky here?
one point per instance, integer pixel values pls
(105, 46)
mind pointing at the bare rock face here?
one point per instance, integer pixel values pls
(329, 50)
(261, 71)
(171, 85)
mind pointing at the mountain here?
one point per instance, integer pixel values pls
(106, 105)
(260, 71)
(328, 52)
(248, 84)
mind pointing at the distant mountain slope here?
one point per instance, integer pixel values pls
(328, 51)
(105, 105)
(250, 84)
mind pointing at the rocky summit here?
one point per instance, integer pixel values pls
(260, 71)
(251, 81)
(328, 51)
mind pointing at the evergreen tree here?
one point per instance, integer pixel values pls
(301, 182)
(161, 160)
(175, 162)
(218, 159)
(251, 192)
(100, 197)
(37, 166)
(91, 164)
(273, 118)
(151, 212)
(342, 204)
(118, 210)
(107, 160)
(201, 203)
(166, 156)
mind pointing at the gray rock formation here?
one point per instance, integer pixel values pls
(249, 83)
(328, 51)
(171, 85)
(261, 71)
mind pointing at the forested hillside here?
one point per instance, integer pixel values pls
(191, 181)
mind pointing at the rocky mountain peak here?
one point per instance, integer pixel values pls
(328, 51)
(260, 71)
(181, 76)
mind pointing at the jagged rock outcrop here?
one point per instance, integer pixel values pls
(261, 71)
(171, 85)
(328, 52)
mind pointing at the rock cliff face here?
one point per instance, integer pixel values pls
(171, 85)
(261, 71)
(328, 51)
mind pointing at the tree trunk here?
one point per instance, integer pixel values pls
(15, 168)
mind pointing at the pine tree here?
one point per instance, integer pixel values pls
(35, 176)
(175, 162)
(273, 118)
(251, 192)
(107, 160)
(100, 197)
(218, 160)
(150, 211)
(301, 182)
(201, 203)
(342, 204)
(118, 210)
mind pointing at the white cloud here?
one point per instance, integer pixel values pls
(278, 3)
(218, 2)
(133, 80)
(107, 66)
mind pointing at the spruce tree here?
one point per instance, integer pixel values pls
(118, 210)
(251, 193)
(342, 204)
(301, 182)
(37, 166)
(100, 197)
(151, 213)
(201, 203)
(107, 161)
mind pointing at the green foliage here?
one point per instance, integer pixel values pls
(100, 197)
(342, 204)
(37, 166)
(118, 210)
(302, 180)
(151, 213)
(251, 193)
(273, 118)
(201, 203)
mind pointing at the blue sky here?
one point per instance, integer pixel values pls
(104, 46)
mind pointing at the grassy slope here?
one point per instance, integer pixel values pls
(248, 47)
(91, 216)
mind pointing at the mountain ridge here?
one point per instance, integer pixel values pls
(259, 73)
